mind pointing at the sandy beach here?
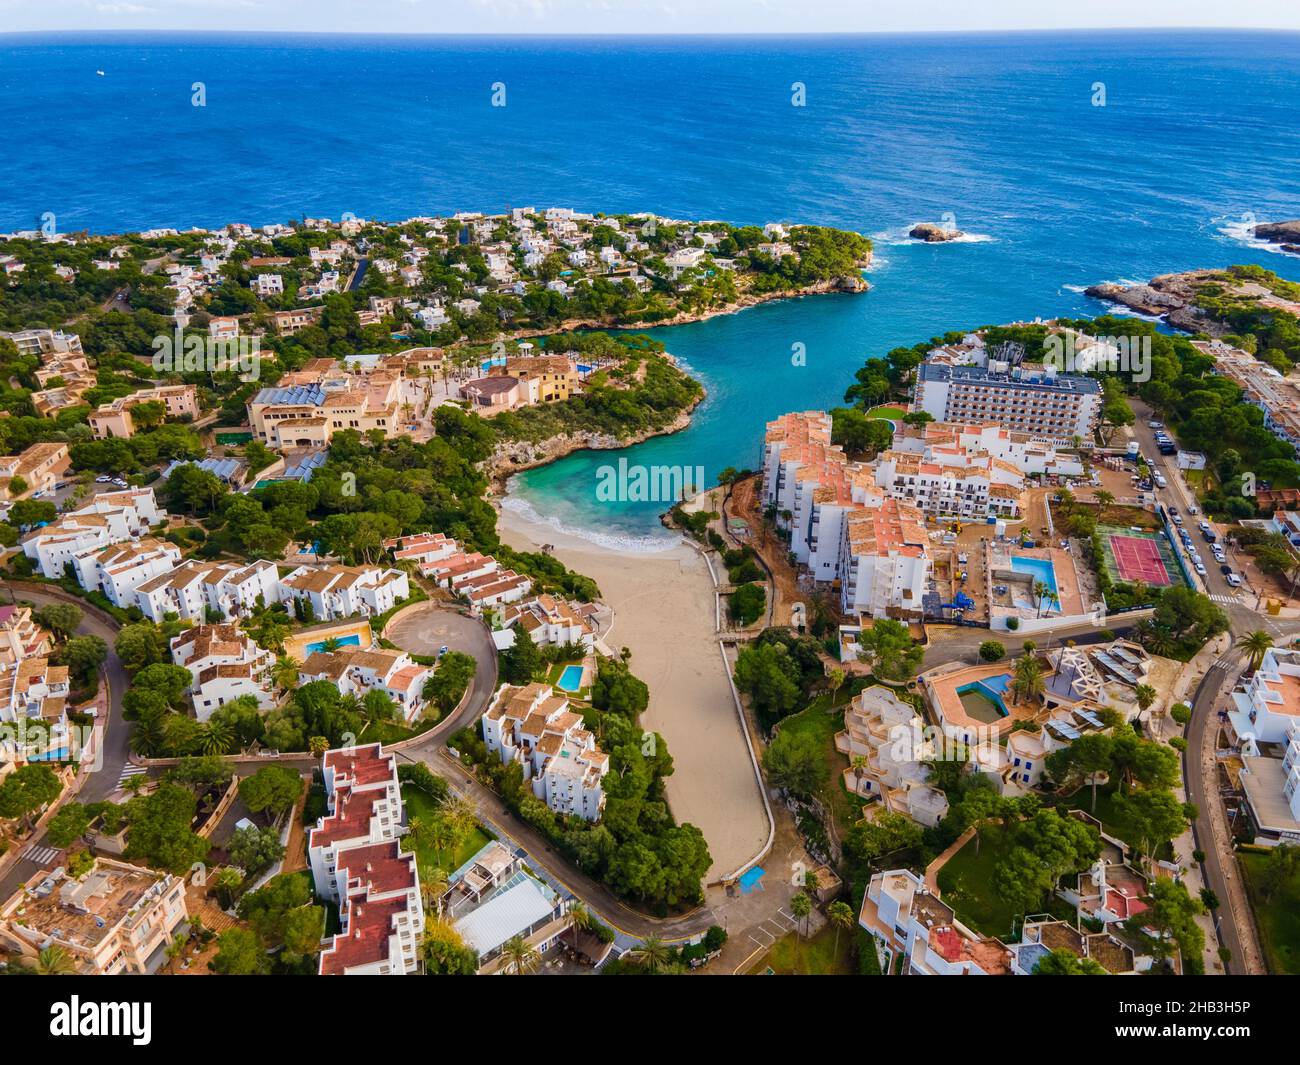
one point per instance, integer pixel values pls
(664, 612)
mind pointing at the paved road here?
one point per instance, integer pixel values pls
(1199, 784)
(114, 747)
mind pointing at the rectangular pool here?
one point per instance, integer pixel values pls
(1041, 569)
(343, 641)
(571, 679)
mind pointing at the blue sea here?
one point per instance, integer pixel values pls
(1199, 135)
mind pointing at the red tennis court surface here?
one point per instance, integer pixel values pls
(1138, 559)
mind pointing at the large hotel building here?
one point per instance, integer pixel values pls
(1044, 404)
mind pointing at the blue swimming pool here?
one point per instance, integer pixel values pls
(1039, 568)
(982, 699)
(571, 679)
(344, 641)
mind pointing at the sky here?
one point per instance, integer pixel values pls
(636, 16)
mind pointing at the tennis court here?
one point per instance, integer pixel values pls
(1139, 556)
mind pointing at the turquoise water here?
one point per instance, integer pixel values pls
(1040, 568)
(999, 130)
(343, 641)
(989, 690)
(571, 679)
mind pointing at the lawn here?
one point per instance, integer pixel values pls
(966, 884)
(892, 413)
(1278, 918)
(822, 720)
(792, 955)
(393, 731)
(419, 805)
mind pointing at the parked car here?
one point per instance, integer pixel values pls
(1203, 525)
(1200, 569)
(103, 479)
(1178, 519)
(1225, 570)
(1234, 580)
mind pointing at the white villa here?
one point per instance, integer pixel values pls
(356, 672)
(224, 664)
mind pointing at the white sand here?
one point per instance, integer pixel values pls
(664, 612)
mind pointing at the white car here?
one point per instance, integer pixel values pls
(1204, 526)
(1200, 569)
(1178, 519)
(1233, 580)
(103, 479)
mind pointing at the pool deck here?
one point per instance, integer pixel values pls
(1067, 579)
(295, 646)
(941, 690)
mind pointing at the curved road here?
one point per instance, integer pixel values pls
(102, 781)
(425, 628)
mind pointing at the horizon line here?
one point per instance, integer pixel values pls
(661, 34)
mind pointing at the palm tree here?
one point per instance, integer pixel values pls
(330, 645)
(285, 672)
(581, 918)
(433, 886)
(1256, 645)
(55, 961)
(859, 764)
(801, 907)
(175, 949)
(1146, 695)
(652, 955)
(1103, 498)
(1041, 592)
(835, 679)
(1028, 680)
(216, 737)
(840, 914)
(520, 958)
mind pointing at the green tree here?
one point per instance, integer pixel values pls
(255, 849)
(992, 650)
(1255, 645)
(795, 763)
(62, 619)
(240, 953)
(27, 790)
(273, 789)
(801, 907)
(68, 825)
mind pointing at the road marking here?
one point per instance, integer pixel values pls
(129, 771)
(39, 855)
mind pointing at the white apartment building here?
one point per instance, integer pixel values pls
(343, 591)
(224, 664)
(947, 480)
(119, 569)
(534, 726)
(905, 919)
(194, 588)
(1265, 708)
(551, 622)
(356, 860)
(889, 734)
(107, 518)
(34, 694)
(884, 563)
(1044, 404)
(356, 672)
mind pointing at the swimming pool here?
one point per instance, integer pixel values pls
(1039, 569)
(343, 641)
(571, 679)
(982, 699)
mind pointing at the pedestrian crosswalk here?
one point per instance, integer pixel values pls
(1230, 600)
(40, 855)
(129, 771)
